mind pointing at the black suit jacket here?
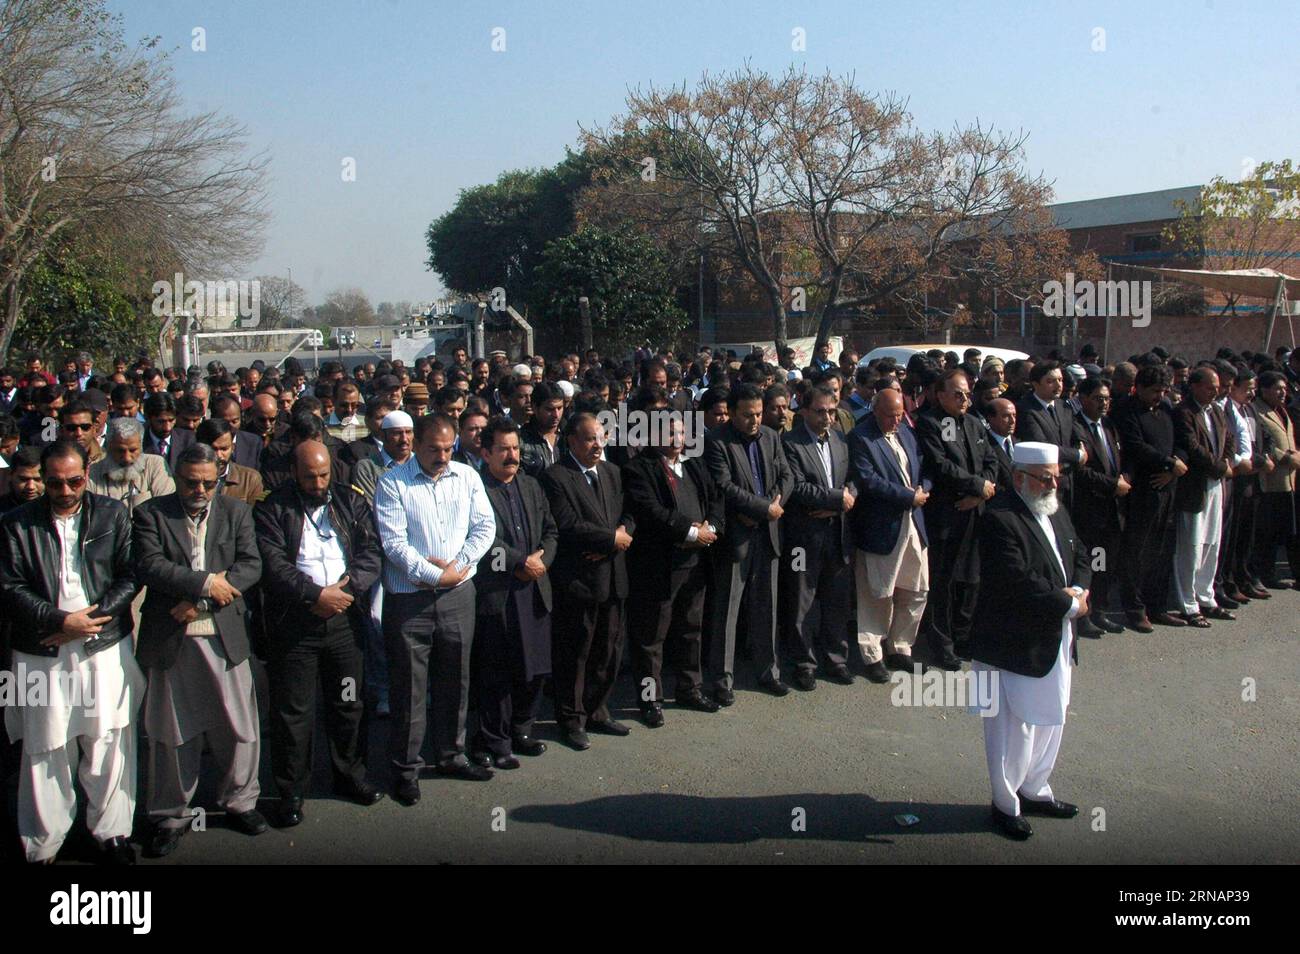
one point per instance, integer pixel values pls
(727, 456)
(811, 492)
(586, 524)
(162, 559)
(1095, 507)
(495, 576)
(180, 439)
(1055, 426)
(661, 527)
(248, 450)
(363, 448)
(287, 593)
(1147, 437)
(957, 468)
(1001, 462)
(1017, 624)
(1206, 454)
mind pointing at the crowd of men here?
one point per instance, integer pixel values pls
(437, 546)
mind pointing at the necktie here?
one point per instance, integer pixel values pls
(1101, 439)
(1006, 446)
(756, 466)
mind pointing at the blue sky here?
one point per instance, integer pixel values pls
(415, 94)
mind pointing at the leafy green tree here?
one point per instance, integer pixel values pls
(627, 281)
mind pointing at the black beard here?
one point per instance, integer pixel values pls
(313, 501)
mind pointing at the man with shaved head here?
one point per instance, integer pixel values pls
(320, 556)
(1001, 420)
(263, 419)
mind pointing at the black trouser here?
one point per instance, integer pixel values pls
(1276, 527)
(814, 601)
(507, 703)
(651, 622)
(1242, 571)
(329, 655)
(1107, 545)
(586, 648)
(1228, 531)
(744, 594)
(1147, 552)
(428, 637)
(950, 609)
(1238, 533)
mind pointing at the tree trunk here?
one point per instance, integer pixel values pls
(778, 320)
(824, 326)
(9, 323)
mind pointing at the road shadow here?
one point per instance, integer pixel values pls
(697, 819)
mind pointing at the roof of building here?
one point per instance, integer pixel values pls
(1122, 209)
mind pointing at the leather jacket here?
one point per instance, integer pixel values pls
(30, 563)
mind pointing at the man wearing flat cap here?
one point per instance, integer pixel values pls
(1023, 638)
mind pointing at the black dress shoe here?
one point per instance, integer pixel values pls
(466, 771)
(118, 851)
(1226, 601)
(698, 701)
(1235, 594)
(165, 840)
(1053, 809)
(406, 792)
(1217, 612)
(608, 727)
(1259, 593)
(1013, 826)
(840, 674)
(480, 757)
(1168, 619)
(506, 763)
(1277, 585)
(361, 793)
(724, 697)
(251, 822)
(805, 680)
(901, 662)
(774, 686)
(950, 662)
(652, 714)
(576, 739)
(290, 812)
(1108, 624)
(876, 672)
(527, 745)
(1089, 630)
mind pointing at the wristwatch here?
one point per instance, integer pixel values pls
(203, 604)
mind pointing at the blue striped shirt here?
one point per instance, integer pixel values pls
(449, 518)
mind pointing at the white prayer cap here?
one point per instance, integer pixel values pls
(794, 374)
(396, 419)
(523, 370)
(566, 388)
(1033, 452)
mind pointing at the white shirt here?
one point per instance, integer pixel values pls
(320, 555)
(72, 596)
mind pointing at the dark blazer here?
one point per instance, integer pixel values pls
(1056, 426)
(180, 439)
(248, 450)
(29, 572)
(661, 527)
(1095, 508)
(877, 518)
(1206, 455)
(727, 457)
(534, 453)
(811, 491)
(1017, 623)
(491, 585)
(1001, 462)
(586, 525)
(1147, 437)
(288, 593)
(958, 468)
(363, 448)
(277, 463)
(162, 558)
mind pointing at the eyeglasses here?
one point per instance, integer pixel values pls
(59, 483)
(1046, 480)
(205, 484)
(78, 427)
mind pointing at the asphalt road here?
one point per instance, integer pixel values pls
(1167, 761)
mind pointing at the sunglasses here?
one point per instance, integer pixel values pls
(59, 483)
(205, 484)
(81, 428)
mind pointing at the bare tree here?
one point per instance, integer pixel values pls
(93, 137)
(346, 307)
(825, 195)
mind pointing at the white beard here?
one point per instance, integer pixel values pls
(1043, 506)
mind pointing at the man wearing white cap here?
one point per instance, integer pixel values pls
(1024, 638)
